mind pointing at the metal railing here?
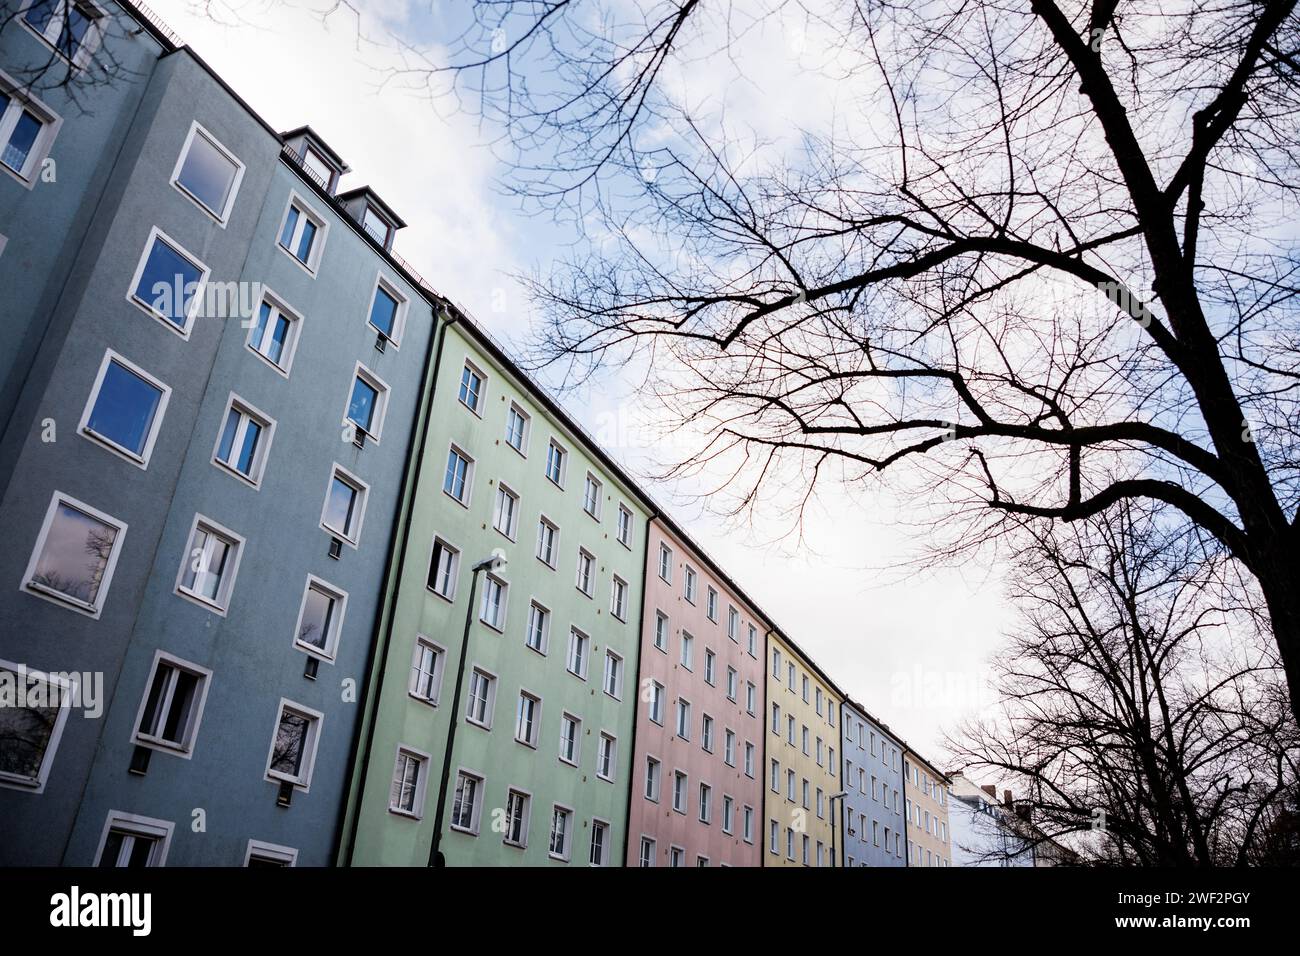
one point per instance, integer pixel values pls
(143, 12)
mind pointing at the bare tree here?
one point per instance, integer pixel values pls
(1138, 702)
(1047, 267)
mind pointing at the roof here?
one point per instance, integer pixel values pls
(315, 137)
(373, 197)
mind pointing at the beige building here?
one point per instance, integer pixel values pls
(927, 799)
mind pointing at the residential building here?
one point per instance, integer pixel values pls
(874, 824)
(540, 766)
(697, 788)
(199, 465)
(925, 800)
(988, 833)
(802, 821)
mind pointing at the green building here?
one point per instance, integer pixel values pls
(539, 771)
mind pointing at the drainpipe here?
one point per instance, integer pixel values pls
(636, 698)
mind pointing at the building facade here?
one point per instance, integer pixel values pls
(697, 797)
(873, 783)
(926, 800)
(200, 532)
(539, 771)
(988, 833)
(802, 820)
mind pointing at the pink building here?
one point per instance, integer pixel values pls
(697, 796)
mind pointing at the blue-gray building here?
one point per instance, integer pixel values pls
(874, 822)
(211, 367)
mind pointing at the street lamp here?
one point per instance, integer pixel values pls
(495, 562)
(836, 796)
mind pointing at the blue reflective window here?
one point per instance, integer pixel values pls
(270, 334)
(168, 283)
(290, 227)
(383, 312)
(124, 409)
(21, 140)
(239, 438)
(208, 174)
(361, 408)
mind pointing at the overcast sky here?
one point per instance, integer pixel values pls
(912, 649)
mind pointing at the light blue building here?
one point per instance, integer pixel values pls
(874, 822)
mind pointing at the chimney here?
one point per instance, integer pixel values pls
(1007, 799)
(991, 790)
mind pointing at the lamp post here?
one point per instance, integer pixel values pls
(493, 563)
(835, 859)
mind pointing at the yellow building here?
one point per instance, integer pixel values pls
(927, 799)
(802, 759)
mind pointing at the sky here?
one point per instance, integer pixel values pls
(912, 648)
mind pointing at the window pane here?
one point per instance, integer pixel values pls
(383, 312)
(125, 408)
(362, 407)
(21, 142)
(303, 252)
(76, 552)
(290, 738)
(339, 505)
(41, 14)
(25, 734)
(317, 614)
(290, 226)
(168, 282)
(207, 174)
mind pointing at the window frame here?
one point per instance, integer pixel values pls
(382, 393)
(227, 588)
(160, 831)
(156, 234)
(185, 750)
(421, 784)
(535, 736)
(140, 460)
(476, 810)
(511, 531)
(478, 408)
(68, 689)
(250, 412)
(490, 706)
(399, 316)
(50, 122)
(564, 463)
(436, 540)
(522, 449)
(282, 307)
(439, 670)
(317, 721)
(222, 217)
(358, 508)
(28, 586)
(454, 449)
(340, 598)
(288, 855)
(312, 266)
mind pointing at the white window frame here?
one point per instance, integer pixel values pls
(576, 759)
(150, 827)
(590, 589)
(421, 785)
(50, 124)
(599, 823)
(303, 780)
(522, 842)
(196, 303)
(569, 830)
(278, 304)
(621, 526)
(665, 552)
(288, 855)
(222, 605)
(399, 318)
(511, 531)
(564, 463)
(491, 705)
(473, 366)
(322, 231)
(613, 756)
(359, 506)
(27, 586)
(470, 464)
(439, 670)
(576, 632)
(498, 625)
(537, 607)
(221, 216)
(660, 616)
(185, 749)
(141, 460)
(340, 598)
(476, 811)
(382, 392)
(250, 412)
(553, 564)
(619, 588)
(589, 483)
(612, 655)
(522, 450)
(447, 546)
(67, 690)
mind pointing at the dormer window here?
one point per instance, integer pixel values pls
(372, 214)
(319, 167)
(377, 225)
(314, 157)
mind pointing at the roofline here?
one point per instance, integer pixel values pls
(319, 141)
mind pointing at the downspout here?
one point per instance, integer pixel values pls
(347, 832)
(636, 710)
(907, 817)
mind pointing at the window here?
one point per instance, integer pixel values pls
(274, 336)
(712, 606)
(776, 663)
(661, 631)
(789, 675)
(471, 389)
(577, 657)
(302, 233)
(482, 698)
(683, 719)
(345, 505)
(747, 824)
(789, 844)
(803, 740)
(133, 841)
(728, 814)
(367, 404)
(586, 571)
(168, 283)
(680, 797)
(805, 690)
(27, 131)
(31, 725)
(444, 565)
(125, 409)
(775, 835)
(208, 173)
(818, 697)
(729, 748)
(652, 775)
(506, 512)
(458, 480)
(518, 807)
(710, 667)
(618, 599)
(805, 792)
(751, 698)
(706, 733)
(789, 785)
(789, 730)
(749, 760)
(561, 818)
(776, 719)
(495, 596)
(467, 805)
(591, 497)
(244, 440)
(293, 749)
(606, 757)
(688, 651)
(321, 168)
(647, 857)
(387, 311)
(689, 585)
(547, 542)
(374, 223)
(733, 680)
(209, 564)
(676, 856)
(556, 460)
(753, 642)
(613, 681)
(72, 27)
(666, 563)
(539, 628)
(776, 776)
(528, 717)
(517, 422)
(409, 773)
(624, 527)
(706, 803)
(599, 843)
(426, 670)
(173, 705)
(263, 855)
(570, 739)
(733, 624)
(656, 702)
